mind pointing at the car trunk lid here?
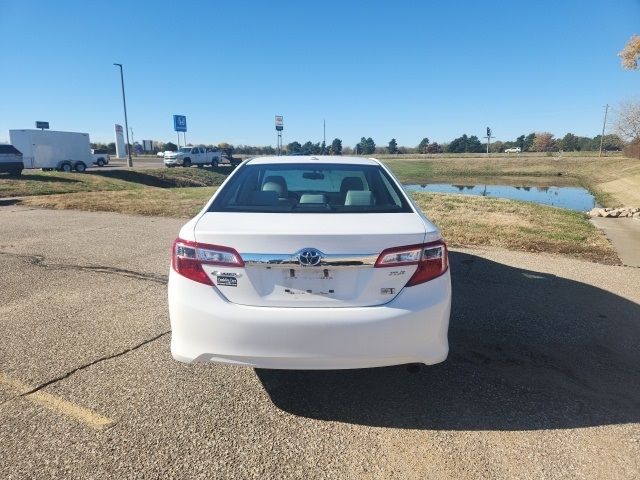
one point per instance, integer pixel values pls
(275, 274)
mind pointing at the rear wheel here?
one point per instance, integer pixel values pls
(214, 163)
(186, 163)
(100, 162)
(80, 167)
(66, 167)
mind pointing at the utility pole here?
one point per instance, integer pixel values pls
(488, 137)
(604, 124)
(324, 136)
(126, 123)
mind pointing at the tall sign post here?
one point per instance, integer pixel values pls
(126, 122)
(488, 137)
(279, 128)
(180, 125)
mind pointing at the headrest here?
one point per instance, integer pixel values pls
(313, 198)
(356, 197)
(275, 183)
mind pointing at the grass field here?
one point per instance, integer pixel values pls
(48, 183)
(464, 220)
(614, 180)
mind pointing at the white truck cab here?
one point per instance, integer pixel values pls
(188, 156)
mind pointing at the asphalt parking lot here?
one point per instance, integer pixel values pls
(543, 378)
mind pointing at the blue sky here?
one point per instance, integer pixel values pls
(403, 69)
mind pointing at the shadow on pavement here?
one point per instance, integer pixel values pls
(528, 351)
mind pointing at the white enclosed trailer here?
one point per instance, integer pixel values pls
(49, 149)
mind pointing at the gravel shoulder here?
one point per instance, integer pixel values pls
(542, 380)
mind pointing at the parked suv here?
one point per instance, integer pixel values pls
(10, 160)
(310, 263)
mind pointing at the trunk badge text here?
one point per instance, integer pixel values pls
(226, 274)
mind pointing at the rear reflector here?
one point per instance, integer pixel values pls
(431, 259)
(188, 257)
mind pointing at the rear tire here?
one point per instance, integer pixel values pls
(66, 167)
(214, 163)
(80, 167)
(186, 163)
(100, 162)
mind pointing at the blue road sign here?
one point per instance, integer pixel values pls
(180, 123)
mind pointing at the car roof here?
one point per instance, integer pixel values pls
(337, 159)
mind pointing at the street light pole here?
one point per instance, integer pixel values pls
(126, 123)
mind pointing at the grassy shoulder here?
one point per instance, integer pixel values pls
(614, 180)
(481, 221)
(49, 183)
(174, 202)
(464, 220)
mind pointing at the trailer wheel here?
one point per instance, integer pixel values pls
(66, 167)
(186, 163)
(80, 167)
(214, 163)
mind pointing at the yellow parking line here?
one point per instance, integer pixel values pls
(57, 404)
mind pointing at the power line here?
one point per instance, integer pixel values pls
(604, 124)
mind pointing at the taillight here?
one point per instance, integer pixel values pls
(188, 257)
(431, 259)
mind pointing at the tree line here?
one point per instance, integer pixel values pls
(533, 142)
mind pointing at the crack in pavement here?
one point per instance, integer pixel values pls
(87, 365)
(39, 261)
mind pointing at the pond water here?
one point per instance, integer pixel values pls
(572, 198)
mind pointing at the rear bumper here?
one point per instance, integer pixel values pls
(410, 329)
(11, 167)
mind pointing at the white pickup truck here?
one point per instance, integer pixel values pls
(187, 156)
(100, 157)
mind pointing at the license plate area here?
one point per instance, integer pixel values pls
(308, 281)
(309, 273)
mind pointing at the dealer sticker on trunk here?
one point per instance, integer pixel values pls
(226, 281)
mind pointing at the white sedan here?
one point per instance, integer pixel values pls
(310, 263)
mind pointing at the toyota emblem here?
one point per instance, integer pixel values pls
(310, 257)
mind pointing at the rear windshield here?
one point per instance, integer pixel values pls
(310, 188)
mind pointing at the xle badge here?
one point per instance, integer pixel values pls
(227, 281)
